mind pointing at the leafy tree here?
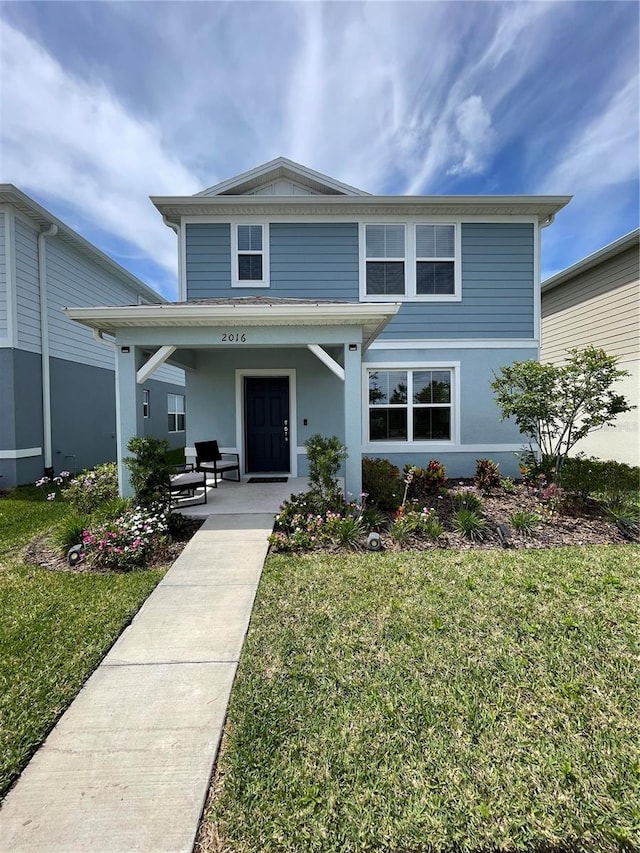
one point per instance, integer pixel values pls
(557, 405)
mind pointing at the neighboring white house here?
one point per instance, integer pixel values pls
(597, 302)
(309, 306)
(57, 380)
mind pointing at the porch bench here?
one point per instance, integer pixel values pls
(211, 460)
(186, 483)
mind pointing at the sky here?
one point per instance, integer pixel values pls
(103, 104)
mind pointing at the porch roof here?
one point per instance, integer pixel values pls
(242, 311)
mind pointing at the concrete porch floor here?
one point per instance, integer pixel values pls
(232, 498)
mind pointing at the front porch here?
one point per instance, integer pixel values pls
(231, 498)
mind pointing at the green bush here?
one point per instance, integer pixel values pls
(381, 482)
(70, 530)
(470, 523)
(583, 477)
(90, 489)
(149, 470)
(525, 521)
(467, 500)
(325, 456)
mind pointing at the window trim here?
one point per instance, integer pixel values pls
(175, 413)
(420, 445)
(235, 253)
(411, 260)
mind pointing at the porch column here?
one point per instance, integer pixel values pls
(353, 420)
(128, 410)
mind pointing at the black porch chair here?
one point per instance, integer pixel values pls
(211, 460)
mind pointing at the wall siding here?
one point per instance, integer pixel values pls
(4, 322)
(320, 260)
(497, 290)
(600, 307)
(27, 287)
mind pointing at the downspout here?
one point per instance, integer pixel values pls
(44, 346)
(182, 288)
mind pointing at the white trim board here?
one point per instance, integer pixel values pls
(438, 447)
(23, 453)
(458, 343)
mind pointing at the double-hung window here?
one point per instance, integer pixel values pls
(251, 257)
(385, 260)
(175, 406)
(410, 405)
(435, 260)
(411, 260)
(145, 403)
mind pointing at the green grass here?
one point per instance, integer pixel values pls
(454, 701)
(55, 628)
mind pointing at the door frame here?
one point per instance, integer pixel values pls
(260, 373)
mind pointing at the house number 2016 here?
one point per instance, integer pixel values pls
(234, 338)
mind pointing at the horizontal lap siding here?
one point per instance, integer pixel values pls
(315, 260)
(27, 287)
(208, 261)
(73, 281)
(600, 307)
(497, 290)
(4, 323)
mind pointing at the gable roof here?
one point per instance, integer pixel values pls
(10, 194)
(281, 168)
(611, 250)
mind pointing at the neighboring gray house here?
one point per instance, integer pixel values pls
(309, 306)
(57, 380)
(597, 302)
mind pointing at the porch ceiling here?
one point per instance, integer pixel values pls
(263, 312)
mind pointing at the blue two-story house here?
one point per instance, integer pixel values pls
(309, 306)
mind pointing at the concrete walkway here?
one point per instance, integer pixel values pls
(128, 765)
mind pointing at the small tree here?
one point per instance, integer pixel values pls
(149, 470)
(557, 405)
(325, 456)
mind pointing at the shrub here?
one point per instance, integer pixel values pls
(149, 470)
(487, 475)
(525, 521)
(425, 481)
(583, 477)
(470, 523)
(130, 541)
(325, 456)
(381, 482)
(508, 485)
(91, 489)
(466, 499)
(346, 530)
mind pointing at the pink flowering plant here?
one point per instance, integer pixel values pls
(130, 541)
(305, 524)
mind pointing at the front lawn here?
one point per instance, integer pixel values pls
(436, 701)
(55, 628)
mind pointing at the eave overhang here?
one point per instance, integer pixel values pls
(542, 208)
(371, 318)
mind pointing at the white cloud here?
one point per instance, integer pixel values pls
(72, 139)
(603, 152)
(476, 137)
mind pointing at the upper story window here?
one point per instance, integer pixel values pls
(385, 257)
(411, 261)
(250, 247)
(435, 260)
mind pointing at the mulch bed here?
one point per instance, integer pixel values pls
(578, 524)
(42, 552)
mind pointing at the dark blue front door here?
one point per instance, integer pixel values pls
(267, 423)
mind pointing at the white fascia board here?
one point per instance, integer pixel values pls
(540, 207)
